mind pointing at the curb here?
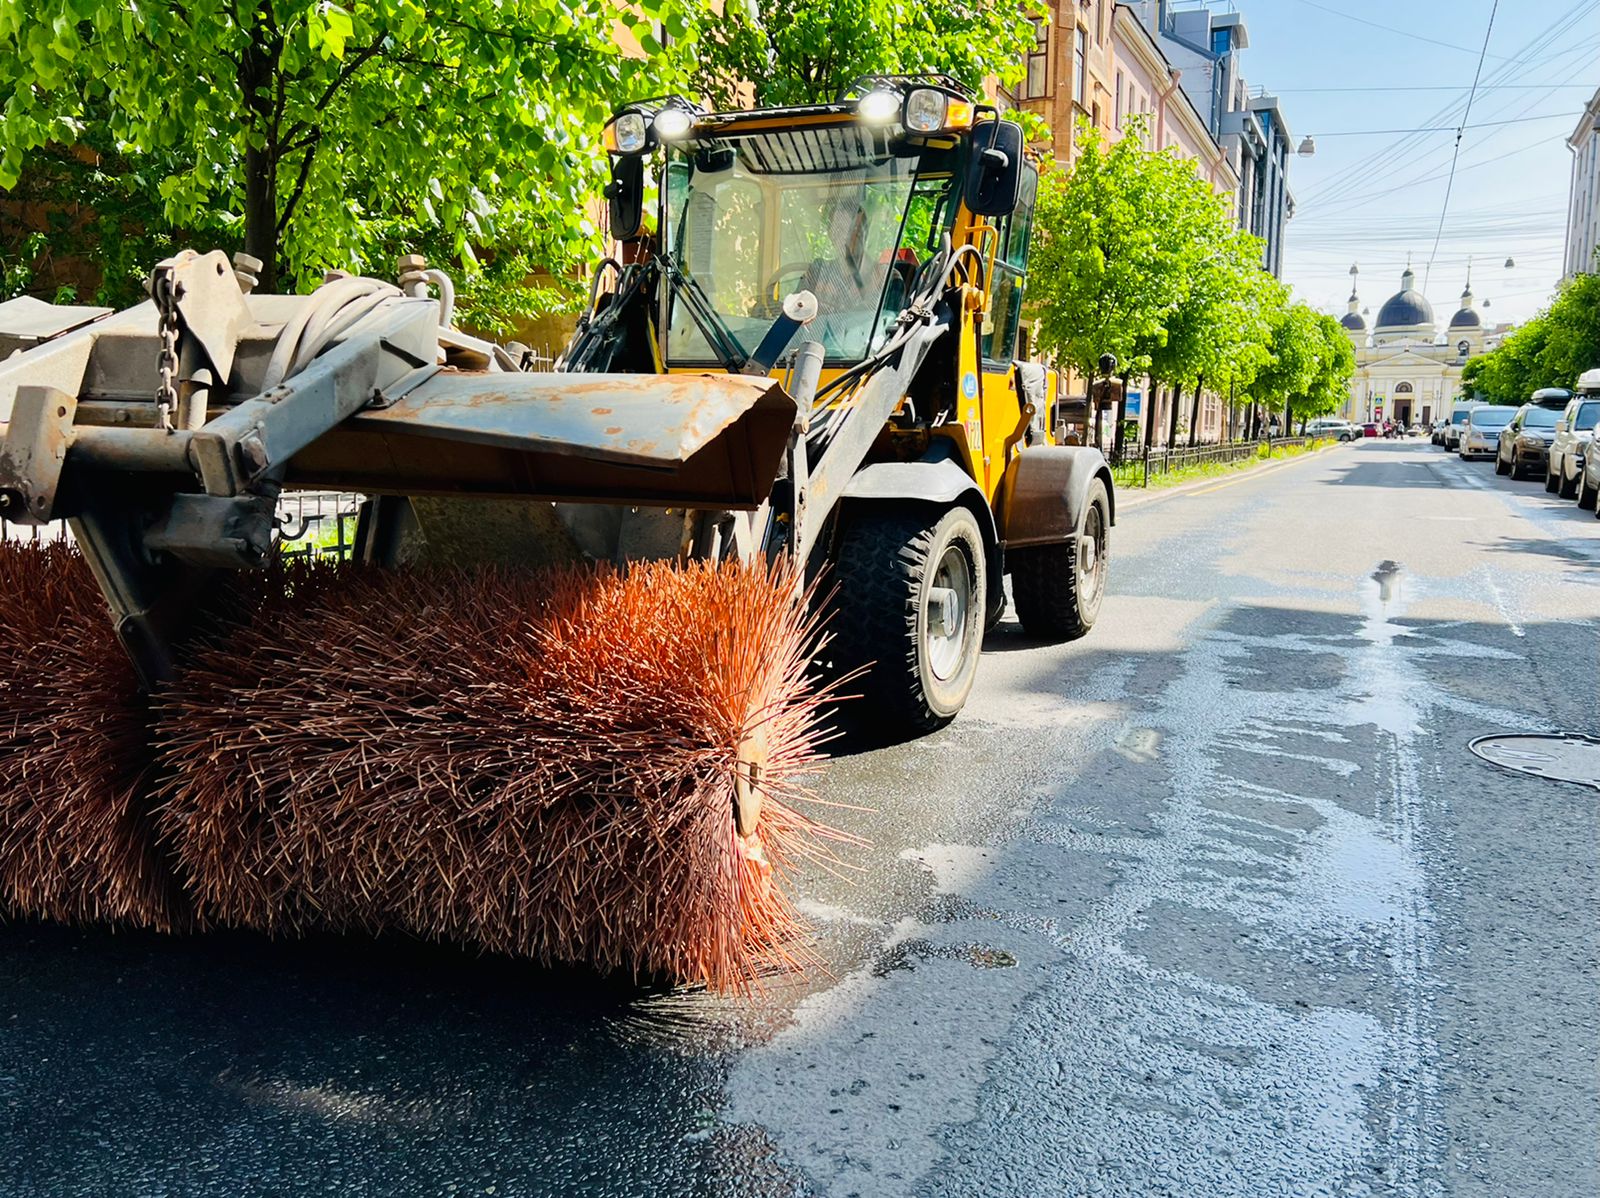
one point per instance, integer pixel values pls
(1138, 497)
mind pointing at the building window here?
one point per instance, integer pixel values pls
(1219, 42)
(1036, 82)
(1117, 110)
(1080, 67)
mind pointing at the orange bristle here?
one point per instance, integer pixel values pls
(76, 837)
(536, 763)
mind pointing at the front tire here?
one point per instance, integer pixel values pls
(1500, 466)
(1566, 487)
(1586, 494)
(909, 611)
(1058, 588)
(1552, 482)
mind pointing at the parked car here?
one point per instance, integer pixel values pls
(1523, 446)
(1371, 430)
(1450, 435)
(1328, 426)
(1589, 478)
(1480, 435)
(1574, 432)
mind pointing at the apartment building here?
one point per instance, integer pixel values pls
(1205, 44)
(1101, 61)
(1583, 204)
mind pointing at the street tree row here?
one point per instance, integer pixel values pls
(317, 134)
(1551, 350)
(1139, 257)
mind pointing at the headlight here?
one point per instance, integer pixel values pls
(879, 107)
(672, 123)
(627, 134)
(925, 110)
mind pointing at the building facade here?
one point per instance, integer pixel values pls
(1102, 62)
(1583, 203)
(1407, 370)
(1206, 46)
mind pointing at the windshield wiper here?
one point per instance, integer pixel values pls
(705, 316)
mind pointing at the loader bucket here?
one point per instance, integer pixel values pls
(701, 440)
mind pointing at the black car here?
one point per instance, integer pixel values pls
(1525, 441)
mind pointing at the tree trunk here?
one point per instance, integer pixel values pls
(1172, 417)
(1118, 436)
(1194, 411)
(258, 63)
(1152, 404)
(261, 215)
(1288, 417)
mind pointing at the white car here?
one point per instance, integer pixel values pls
(1450, 435)
(1574, 432)
(1480, 436)
(1328, 426)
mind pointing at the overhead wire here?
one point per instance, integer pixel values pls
(1395, 152)
(1450, 180)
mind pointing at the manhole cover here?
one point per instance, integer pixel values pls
(1559, 756)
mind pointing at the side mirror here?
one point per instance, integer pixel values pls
(994, 175)
(625, 193)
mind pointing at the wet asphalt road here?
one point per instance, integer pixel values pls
(1213, 902)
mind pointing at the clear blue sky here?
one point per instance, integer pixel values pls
(1371, 199)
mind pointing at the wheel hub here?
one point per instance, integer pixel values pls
(949, 601)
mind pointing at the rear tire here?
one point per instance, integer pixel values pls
(883, 615)
(1058, 588)
(1566, 487)
(1499, 464)
(1586, 494)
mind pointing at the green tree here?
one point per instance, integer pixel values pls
(808, 51)
(1551, 350)
(1335, 363)
(1293, 355)
(1100, 276)
(329, 134)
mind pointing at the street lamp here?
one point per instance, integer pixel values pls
(1307, 148)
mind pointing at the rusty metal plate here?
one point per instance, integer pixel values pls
(1558, 756)
(637, 419)
(26, 321)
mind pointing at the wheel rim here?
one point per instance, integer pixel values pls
(949, 601)
(1092, 553)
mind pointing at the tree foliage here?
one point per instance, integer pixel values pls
(1139, 257)
(808, 51)
(325, 134)
(1551, 350)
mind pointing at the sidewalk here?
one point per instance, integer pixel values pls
(1132, 497)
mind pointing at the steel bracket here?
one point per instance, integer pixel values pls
(32, 452)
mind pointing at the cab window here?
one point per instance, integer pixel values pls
(1006, 289)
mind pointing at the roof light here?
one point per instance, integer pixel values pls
(673, 123)
(925, 110)
(878, 107)
(627, 134)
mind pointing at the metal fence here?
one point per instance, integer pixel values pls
(1135, 468)
(310, 524)
(318, 523)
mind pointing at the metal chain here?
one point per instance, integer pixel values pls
(163, 289)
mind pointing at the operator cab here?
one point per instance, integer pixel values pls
(871, 204)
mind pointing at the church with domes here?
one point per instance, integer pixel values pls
(1407, 368)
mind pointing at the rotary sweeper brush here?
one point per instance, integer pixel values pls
(561, 700)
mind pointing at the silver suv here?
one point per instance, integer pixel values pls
(1574, 431)
(1480, 435)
